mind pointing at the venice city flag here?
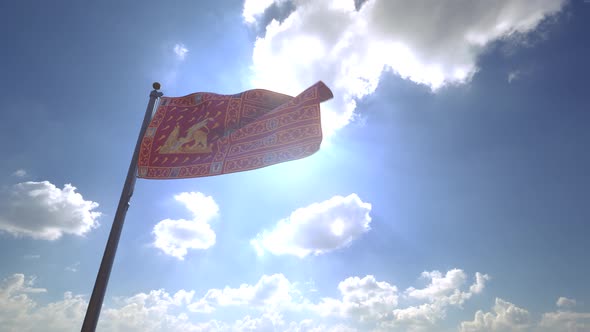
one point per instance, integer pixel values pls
(205, 134)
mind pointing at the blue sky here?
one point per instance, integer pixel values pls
(449, 194)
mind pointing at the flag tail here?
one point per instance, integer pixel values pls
(324, 92)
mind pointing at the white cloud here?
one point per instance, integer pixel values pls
(564, 302)
(63, 315)
(447, 288)
(149, 312)
(274, 290)
(365, 299)
(377, 303)
(428, 42)
(176, 237)
(318, 228)
(73, 268)
(365, 304)
(439, 285)
(505, 317)
(141, 312)
(267, 322)
(442, 292)
(253, 8)
(565, 321)
(180, 50)
(513, 75)
(19, 173)
(14, 301)
(154, 311)
(42, 211)
(480, 282)
(18, 284)
(202, 207)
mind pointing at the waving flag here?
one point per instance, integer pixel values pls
(205, 134)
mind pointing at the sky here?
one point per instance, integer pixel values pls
(449, 194)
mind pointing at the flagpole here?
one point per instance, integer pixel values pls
(102, 278)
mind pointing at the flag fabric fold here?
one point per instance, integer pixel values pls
(205, 134)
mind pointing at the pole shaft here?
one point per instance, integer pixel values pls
(102, 278)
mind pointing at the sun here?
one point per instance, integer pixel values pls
(337, 227)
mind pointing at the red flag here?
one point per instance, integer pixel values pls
(205, 134)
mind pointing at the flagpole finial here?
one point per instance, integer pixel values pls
(156, 86)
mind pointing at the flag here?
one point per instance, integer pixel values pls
(205, 134)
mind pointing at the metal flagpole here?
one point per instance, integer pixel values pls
(102, 278)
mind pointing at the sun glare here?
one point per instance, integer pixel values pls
(337, 227)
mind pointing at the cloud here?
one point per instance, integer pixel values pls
(141, 312)
(505, 316)
(443, 291)
(17, 283)
(480, 282)
(149, 312)
(40, 210)
(318, 228)
(564, 302)
(73, 268)
(514, 75)
(364, 304)
(565, 321)
(14, 300)
(378, 304)
(439, 285)
(274, 290)
(364, 299)
(175, 237)
(180, 50)
(156, 310)
(431, 43)
(19, 173)
(253, 8)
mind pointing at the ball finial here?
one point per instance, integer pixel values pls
(156, 86)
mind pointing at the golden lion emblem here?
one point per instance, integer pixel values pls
(195, 140)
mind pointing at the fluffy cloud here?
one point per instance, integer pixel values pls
(180, 50)
(42, 211)
(507, 317)
(318, 228)
(253, 8)
(447, 286)
(155, 311)
(175, 237)
(148, 312)
(364, 299)
(273, 290)
(19, 173)
(565, 321)
(367, 304)
(439, 285)
(513, 75)
(14, 302)
(141, 312)
(564, 302)
(73, 268)
(480, 282)
(431, 43)
(376, 304)
(441, 292)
